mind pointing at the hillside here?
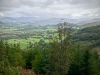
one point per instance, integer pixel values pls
(89, 33)
(91, 24)
(88, 36)
(84, 21)
(1, 22)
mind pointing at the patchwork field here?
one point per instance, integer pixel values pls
(26, 34)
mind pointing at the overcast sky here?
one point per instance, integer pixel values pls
(50, 8)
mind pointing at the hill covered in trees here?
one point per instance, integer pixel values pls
(89, 37)
(88, 34)
(91, 24)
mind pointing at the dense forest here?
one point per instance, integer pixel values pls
(88, 34)
(60, 56)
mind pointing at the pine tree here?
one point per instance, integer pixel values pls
(5, 66)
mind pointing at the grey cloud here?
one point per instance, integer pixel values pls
(86, 3)
(4, 8)
(6, 5)
(50, 7)
(37, 3)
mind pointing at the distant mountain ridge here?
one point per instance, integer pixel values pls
(88, 21)
(49, 21)
(1, 22)
(57, 20)
(91, 24)
(19, 19)
(38, 20)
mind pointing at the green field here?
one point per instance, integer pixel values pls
(25, 42)
(25, 34)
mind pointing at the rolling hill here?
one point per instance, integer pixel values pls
(89, 33)
(88, 36)
(91, 24)
(83, 22)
